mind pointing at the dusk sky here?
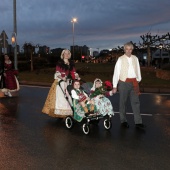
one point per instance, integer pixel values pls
(101, 24)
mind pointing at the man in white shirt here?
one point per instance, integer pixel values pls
(126, 77)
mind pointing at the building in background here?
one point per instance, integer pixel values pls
(80, 51)
(9, 49)
(44, 50)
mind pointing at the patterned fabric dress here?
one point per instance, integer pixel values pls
(56, 104)
(11, 82)
(79, 112)
(102, 104)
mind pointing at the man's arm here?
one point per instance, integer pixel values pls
(139, 78)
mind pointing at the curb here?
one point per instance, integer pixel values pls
(154, 90)
(35, 83)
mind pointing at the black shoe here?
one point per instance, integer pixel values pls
(140, 126)
(125, 125)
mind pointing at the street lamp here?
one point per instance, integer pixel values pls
(74, 20)
(160, 47)
(14, 42)
(13, 39)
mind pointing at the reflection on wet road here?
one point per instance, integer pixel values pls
(32, 140)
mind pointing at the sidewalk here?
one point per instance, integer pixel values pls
(142, 89)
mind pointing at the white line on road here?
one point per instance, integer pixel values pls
(144, 114)
(165, 94)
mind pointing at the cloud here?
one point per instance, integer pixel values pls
(101, 23)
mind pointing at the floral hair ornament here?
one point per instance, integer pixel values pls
(108, 85)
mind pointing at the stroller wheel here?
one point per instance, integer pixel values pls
(107, 124)
(69, 122)
(86, 129)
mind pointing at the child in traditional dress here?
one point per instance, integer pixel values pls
(102, 104)
(81, 102)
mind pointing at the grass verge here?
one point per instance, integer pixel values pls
(89, 72)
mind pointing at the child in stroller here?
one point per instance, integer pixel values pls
(82, 104)
(102, 104)
(84, 110)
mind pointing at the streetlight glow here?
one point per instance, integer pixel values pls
(15, 35)
(13, 39)
(74, 20)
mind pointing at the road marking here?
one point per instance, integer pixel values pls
(144, 114)
(165, 94)
(159, 114)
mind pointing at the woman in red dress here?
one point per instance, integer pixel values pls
(11, 82)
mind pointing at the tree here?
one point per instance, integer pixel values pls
(29, 49)
(149, 40)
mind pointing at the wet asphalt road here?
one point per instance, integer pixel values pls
(31, 140)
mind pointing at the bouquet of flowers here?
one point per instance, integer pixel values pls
(98, 91)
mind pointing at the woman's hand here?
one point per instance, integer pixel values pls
(64, 78)
(77, 76)
(5, 74)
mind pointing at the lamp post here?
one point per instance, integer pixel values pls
(160, 59)
(74, 20)
(15, 35)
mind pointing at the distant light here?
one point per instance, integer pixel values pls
(13, 39)
(160, 46)
(74, 20)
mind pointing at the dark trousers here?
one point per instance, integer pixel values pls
(126, 90)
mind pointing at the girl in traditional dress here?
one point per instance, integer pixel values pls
(81, 102)
(56, 104)
(11, 82)
(102, 104)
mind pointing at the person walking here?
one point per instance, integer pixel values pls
(10, 77)
(56, 104)
(126, 77)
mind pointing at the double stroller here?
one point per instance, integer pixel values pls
(92, 118)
